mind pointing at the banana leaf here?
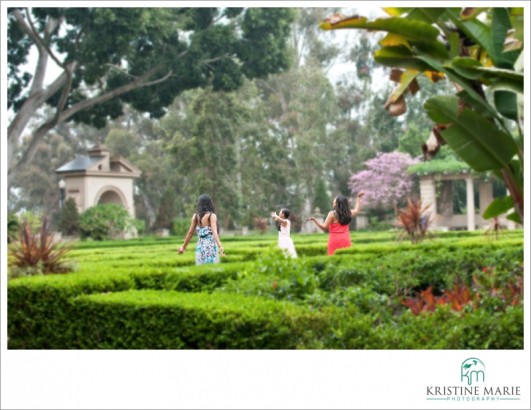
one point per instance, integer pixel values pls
(472, 137)
(505, 102)
(497, 207)
(400, 56)
(411, 29)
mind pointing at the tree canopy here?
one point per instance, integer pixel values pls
(144, 57)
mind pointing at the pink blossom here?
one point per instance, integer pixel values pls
(385, 181)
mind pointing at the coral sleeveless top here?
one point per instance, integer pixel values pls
(339, 237)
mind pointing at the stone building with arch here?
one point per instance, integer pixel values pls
(99, 178)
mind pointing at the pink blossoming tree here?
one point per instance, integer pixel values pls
(386, 181)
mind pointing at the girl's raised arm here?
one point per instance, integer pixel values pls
(283, 222)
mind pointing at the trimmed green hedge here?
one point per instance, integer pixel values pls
(173, 320)
(39, 308)
(350, 300)
(442, 329)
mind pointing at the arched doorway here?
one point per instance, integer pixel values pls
(111, 195)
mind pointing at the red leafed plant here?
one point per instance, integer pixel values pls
(510, 292)
(424, 301)
(414, 220)
(461, 295)
(37, 253)
(457, 298)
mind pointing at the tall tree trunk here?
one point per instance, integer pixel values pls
(446, 205)
(150, 210)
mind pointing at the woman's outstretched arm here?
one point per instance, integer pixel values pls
(326, 224)
(358, 204)
(188, 235)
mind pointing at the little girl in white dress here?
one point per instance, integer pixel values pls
(284, 240)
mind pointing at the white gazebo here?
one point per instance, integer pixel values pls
(442, 211)
(99, 179)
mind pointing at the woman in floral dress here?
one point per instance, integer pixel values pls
(204, 221)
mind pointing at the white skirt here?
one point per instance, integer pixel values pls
(286, 244)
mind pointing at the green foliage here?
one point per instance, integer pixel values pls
(321, 197)
(167, 210)
(69, 218)
(132, 295)
(31, 218)
(122, 142)
(440, 166)
(275, 275)
(137, 225)
(180, 226)
(475, 330)
(34, 253)
(12, 226)
(39, 309)
(144, 39)
(104, 221)
(171, 320)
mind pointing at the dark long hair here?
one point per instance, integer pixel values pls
(342, 210)
(286, 213)
(204, 206)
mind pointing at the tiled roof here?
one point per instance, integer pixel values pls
(81, 163)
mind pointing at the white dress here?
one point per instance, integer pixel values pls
(285, 242)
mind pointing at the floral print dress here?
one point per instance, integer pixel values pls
(206, 250)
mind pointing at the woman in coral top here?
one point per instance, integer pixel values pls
(337, 222)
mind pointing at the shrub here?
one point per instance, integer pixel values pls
(37, 253)
(12, 227)
(33, 219)
(138, 225)
(276, 276)
(172, 320)
(180, 226)
(104, 221)
(40, 310)
(69, 218)
(167, 210)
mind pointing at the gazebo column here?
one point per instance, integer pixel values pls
(485, 196)
(510, 224)
(470, 206)
(428, 196)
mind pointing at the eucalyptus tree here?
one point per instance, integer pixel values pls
(144, 57)
(301, 108)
